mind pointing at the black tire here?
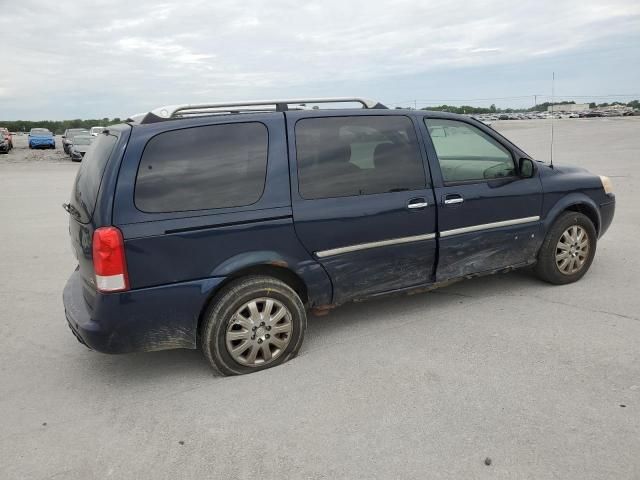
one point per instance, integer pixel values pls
(222, 309)
(547, 269)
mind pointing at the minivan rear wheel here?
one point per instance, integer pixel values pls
(254, 323)
(568, 249)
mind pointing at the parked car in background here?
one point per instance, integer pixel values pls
(4, 144)
(41, 138)
(96, 130)
(221, 230)
(7, 135)
(79, 147)
(67, 137)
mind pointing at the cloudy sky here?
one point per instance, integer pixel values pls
(71, 59)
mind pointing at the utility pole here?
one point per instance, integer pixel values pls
(415, 104)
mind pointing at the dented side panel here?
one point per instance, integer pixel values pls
(488, 250)
(368, 272)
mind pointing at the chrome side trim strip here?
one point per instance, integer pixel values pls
(381, 243)
(487, 226)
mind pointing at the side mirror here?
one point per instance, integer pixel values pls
(526, 168)
(64, 136)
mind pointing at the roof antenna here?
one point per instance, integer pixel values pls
(553, 93)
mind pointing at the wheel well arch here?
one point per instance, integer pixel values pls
(274, 270)
(588, 211)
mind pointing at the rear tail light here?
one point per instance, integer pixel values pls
(108, 260)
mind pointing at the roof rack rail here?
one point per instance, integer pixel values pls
(251, 106)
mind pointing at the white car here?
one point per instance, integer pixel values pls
(95, 131)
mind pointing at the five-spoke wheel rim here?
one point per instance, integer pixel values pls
(259, 332)
(572, 250)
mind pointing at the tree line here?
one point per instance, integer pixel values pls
(541, 107)
(58, 126)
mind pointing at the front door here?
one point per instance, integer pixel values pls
(489, 217)
(362, 204)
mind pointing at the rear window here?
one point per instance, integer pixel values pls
(200, 168)
(89, 177)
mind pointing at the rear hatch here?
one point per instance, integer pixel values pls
(85, 195)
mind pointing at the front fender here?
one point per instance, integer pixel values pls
(572, 200)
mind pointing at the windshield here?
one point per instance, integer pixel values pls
(82, 140)
(40, 131)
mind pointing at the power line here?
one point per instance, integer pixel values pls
(462, 100)
(532, 96)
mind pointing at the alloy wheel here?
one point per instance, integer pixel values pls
(259, 332)
(572, 250)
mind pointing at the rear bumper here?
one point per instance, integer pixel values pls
(607, 211)
(148, 319)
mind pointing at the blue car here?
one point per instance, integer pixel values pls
(41, 138)
(219, 226)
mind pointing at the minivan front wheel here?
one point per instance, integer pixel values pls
(254, 323)
(568, 249)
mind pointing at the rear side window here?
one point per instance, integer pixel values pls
(201, 168)
(89, 177)
(363, 155)
(466, 153)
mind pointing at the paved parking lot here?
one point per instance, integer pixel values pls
(543, 380)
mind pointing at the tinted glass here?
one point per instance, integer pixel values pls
(466, 153)
(89, 177)
(363, 155)
(203, 167)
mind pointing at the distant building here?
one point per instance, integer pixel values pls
(569, 107)
(615, 107)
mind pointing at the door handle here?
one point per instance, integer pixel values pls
(453, 200)
(417, 203)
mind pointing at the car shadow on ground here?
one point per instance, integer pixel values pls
(349, 320)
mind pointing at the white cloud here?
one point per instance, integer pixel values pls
(166, 50)
(143, 53)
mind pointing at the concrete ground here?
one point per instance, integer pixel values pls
(543, 380)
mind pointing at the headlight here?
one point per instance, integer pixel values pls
(606, 184)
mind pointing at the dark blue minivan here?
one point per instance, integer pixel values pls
(220, 225)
